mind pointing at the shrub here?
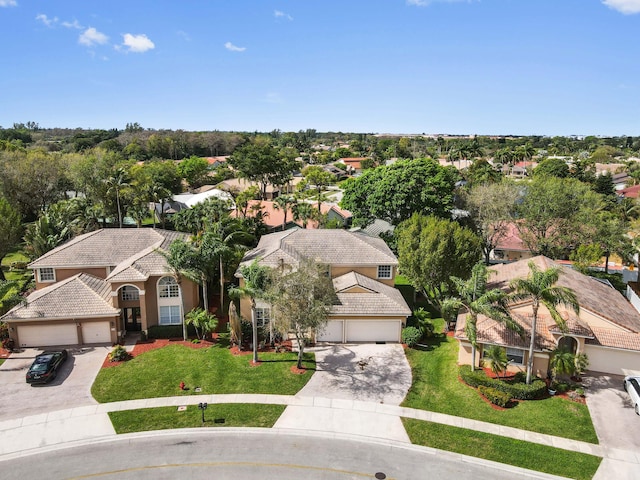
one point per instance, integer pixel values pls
(119, 354)
(520, 391)
(495, 396)
(423, 322)
(169, 331)
(411, 335)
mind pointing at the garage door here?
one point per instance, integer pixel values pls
(48, 335)
(332, 333)
(373, 331)
(96, 332)
(608, 360)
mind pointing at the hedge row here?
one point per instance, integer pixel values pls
(169, 331)
(521, 391)
(495, 396)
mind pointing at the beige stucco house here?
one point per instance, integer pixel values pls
(607, 329)
(368, 308)
(100, 285)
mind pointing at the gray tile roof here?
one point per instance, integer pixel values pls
(79, 296)
(106, 247)
(592, 295)
(140, 267)
(334, 247)
(380, 299)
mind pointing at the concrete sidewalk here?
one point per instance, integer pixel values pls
(351, 417)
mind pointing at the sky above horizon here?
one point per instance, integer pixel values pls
(522, 67)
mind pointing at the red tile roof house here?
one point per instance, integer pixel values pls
(511, 247)
(100, 285)
(607, 329)
(368, 308)
(354, 164)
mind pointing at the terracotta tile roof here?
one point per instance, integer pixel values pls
(608, 337)
(79, 296)
(380, 299)
(512, 240)
(630, 192)
(140, 267)
(574, 326)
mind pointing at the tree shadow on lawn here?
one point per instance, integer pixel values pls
(431, 343)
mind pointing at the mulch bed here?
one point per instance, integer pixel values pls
(246, 350)
(147, 345)
(4, 353)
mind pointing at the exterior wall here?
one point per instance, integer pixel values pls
(613, 361)
(149, 306)
(512, 255)
(540, 359)
(13, 326)
(365, 317)
(64, 273)
(371, 272)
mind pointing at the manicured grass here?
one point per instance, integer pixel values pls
(519, 453)
(17, 255)
(158, 373)
(436, 387)
(164, 418)
(1, 361)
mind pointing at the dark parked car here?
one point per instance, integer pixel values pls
(45, 367)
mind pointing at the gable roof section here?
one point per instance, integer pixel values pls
(333, 247)
(140, 267)
(592, 295)
(106, 247)
(379, 300)
(80, 296)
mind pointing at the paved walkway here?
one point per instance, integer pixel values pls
(340, 416)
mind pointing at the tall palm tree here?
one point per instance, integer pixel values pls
(284, 203)
(302, 212)
(476, 299)
(116, 183)
(180, 261)
(540, 289)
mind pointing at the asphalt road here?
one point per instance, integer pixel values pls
(247, 455)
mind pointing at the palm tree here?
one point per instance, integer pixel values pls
(284, 203)
(255, 286)
(180, 262)
(302, 212)
(116, 183)
(540, 289)
(497, 357)
(474, 297)
(562, 363)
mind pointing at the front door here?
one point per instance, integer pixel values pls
(131, 317)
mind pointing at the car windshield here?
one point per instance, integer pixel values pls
(41, 363)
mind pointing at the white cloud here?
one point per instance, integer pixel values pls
(8, 3)
(137, 43)
(46, 20)
(628, 7)
(231, 47)
(91, 37)
(279, 14)
(424, 3)
(73, 24)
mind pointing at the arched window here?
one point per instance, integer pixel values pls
(168, 288)
(129, 293)
(568, 343)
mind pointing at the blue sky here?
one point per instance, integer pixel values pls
(548, 67)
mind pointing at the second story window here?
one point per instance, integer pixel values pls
(168, 288)
(130, 293)
(384, 271)
(46, 275)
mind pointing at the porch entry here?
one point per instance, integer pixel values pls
(131, 319)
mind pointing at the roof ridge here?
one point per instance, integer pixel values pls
(82, 278)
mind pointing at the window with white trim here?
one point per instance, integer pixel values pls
(515, 355)
(168, 288)
(384, 271)
(170, 315)
(263, 316)
(47, 274)
(130, 293)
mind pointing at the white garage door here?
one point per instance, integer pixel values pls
(332, 332)
(373, 331)
(96, 332)
(608, 360)
(48, 335)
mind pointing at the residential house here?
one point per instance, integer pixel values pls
(353, 164)
(511, 247)
(237, 185)
(98, 286)
(607, 329)
(273, 217)
(368, 308)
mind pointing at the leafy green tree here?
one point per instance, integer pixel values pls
(432, 250)
(54, 227)
(196, 219)
(10, 229)
(552, 167)
(473, 296)
(395, 192)
(482, 172)
(319, 178)
(585, 256)
(540, 289)
(259, 161)
(256, 284)
(301, 300)
(194, 170)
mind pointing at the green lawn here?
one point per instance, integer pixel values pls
(216, 415)
(522, 454)
(436, 387)
(158, 373)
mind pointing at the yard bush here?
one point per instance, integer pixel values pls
(495, 396)
(411, 336)
(517, 390)
(118, 354)
(169, 331)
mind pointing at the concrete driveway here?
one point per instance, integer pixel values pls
(367, 372)
(71, 388)
(612, 414)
